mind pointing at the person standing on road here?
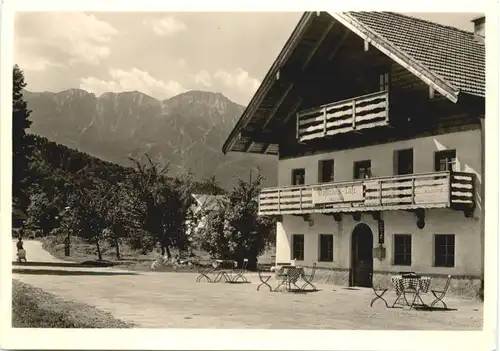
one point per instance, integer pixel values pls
(20, 244)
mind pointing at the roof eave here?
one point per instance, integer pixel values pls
(268, 80)
(427, 76)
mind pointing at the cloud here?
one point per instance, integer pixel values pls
(203, 78)
(36, 64)
(238, 79)
(70, 37)
(132, 80)
(166, 26)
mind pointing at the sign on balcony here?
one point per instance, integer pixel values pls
(339, 193)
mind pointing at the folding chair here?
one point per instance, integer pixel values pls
(440, 294)
(379, 293)
(203, 273)
(264, 279)
(309, 278)
(240, 272)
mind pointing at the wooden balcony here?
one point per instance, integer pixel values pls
(367, 111)
(453, 190)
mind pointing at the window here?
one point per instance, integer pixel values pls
(325, 248)
(402, 249)
(326, 170)
(384, 82)
(445, 160)
(362, 169)
(298, 247)
(298, 176)
(403, 162)
(444, 250)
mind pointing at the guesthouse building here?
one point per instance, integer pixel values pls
(377, 122)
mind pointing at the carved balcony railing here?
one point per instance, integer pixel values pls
(453, 190)
(367, 111)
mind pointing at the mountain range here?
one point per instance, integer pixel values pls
(187, 131)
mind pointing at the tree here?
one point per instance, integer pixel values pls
(121, 216)
(152, 190)
(88, 213)
(20, 122)
(235, 230)
(42, 214)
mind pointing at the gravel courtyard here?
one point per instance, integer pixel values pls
(162, 300)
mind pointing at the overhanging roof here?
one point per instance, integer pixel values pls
(449, 60)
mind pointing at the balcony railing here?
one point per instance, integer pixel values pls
(430, 190)
(345, 116)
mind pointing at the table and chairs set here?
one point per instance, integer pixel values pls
(223, 270)
(414, 285)
(288, 277)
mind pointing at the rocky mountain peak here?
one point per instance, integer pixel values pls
(187, 130)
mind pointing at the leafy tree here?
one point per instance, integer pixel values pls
(42, 214)
(121, 216)
(20, 122)
(152, 190)
(88, 213)
(234, 230)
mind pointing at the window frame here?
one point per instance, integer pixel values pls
(451, 162)
(329, 250)
(397, 153)
(294, 249)
(355, 168)
(384, 81)
(445, 263)
(321, 173)
(407, 250)
(293, 175)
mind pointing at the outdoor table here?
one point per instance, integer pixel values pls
(414, 284)
(290, 275)
(224, 269)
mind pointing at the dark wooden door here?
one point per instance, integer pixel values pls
(362, 256)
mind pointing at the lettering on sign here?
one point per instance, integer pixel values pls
(335, 194)
(381, 230)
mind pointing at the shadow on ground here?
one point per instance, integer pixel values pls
(65, 264)
(432, 309)
(66, 272)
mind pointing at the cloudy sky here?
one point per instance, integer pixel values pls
(160, 54)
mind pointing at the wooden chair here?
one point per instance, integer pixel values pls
(379, 293)
(440, 294)
(263, 278)
(309, 278)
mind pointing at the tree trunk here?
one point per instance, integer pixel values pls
(169, 255)
(99, 254)
(117, 246)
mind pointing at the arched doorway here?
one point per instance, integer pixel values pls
(361, 256)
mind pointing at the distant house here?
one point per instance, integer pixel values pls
(203, 206)
(377, 122)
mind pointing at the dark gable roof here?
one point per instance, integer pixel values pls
(448, 52)
(448, 59)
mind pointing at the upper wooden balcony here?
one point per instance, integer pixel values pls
(453, 190)
(362, 112)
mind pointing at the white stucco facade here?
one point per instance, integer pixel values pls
(467, 231)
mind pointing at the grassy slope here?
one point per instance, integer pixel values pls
(132, 260)
(34, 308)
